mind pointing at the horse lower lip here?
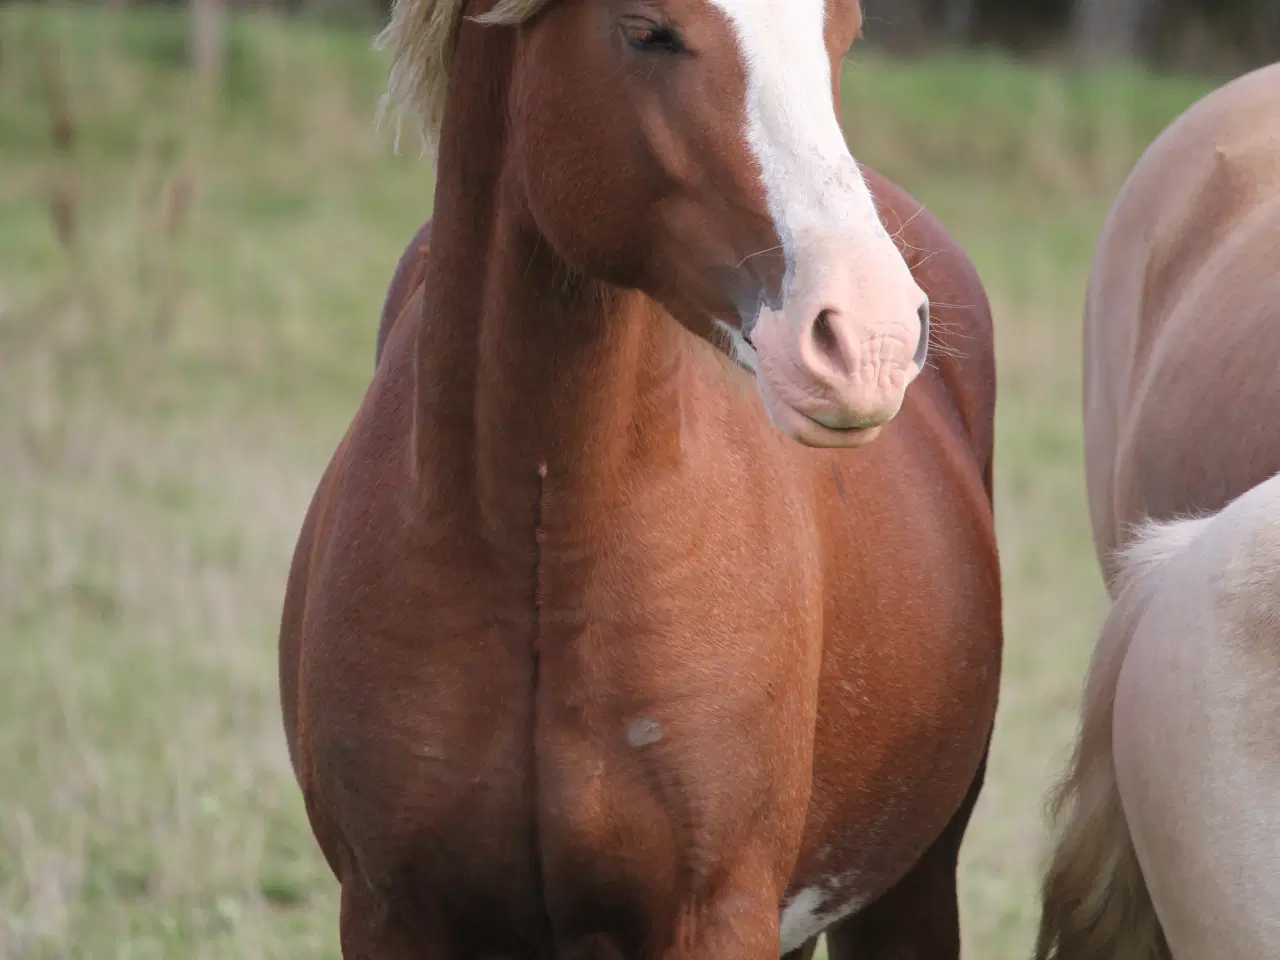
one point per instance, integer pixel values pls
(826, 426)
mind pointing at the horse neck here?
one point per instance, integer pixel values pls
(528, 373)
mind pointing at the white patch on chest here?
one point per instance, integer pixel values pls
(810, 912)
(812, 182)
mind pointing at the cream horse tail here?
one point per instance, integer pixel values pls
(1094, 899)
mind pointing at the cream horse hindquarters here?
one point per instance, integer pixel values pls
(1174, 846)
(1169, 812)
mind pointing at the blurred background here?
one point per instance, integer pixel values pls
(197, 227)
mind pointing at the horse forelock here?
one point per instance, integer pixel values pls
(421, 36)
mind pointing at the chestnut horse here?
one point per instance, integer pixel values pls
(597, 643)
(1169, 812)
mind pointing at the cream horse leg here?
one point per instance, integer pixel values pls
(1170, 844)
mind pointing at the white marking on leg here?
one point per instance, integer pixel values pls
(812, 911)
(800, 919)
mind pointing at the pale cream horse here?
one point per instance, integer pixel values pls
(1168, 842)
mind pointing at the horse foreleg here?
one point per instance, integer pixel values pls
(919, 918)
(371, 928)
(916, 920)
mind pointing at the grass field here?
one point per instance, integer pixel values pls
(175, 370)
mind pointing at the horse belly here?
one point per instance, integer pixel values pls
(909, 688)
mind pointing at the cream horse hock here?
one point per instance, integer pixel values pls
(1169, 812)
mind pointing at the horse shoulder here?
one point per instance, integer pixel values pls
(408, 276)
(293, 641)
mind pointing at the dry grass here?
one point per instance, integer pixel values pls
(179, 357)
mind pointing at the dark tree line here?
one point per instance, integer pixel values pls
(1186, 32)
(1192, 34)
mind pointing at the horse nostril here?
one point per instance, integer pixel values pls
(828, 344)
(922, 348)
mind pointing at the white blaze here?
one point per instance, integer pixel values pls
(813, 184)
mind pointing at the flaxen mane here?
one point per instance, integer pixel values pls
(421, 36)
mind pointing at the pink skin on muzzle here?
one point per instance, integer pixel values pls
(834, 362)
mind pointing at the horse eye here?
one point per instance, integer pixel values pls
(650, 37)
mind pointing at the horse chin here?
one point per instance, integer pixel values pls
(808, 432)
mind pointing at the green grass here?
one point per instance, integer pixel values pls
(171, 386)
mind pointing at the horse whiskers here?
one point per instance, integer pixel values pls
(760, 253)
